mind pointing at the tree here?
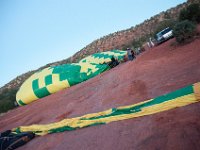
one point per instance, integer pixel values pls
(191, 12)
(164, 24)
(184, 30)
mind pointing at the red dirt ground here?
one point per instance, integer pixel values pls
(155, 72)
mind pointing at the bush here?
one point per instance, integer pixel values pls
(6, 105)
(164, 24)
(184, 30)
(7, 100)
(191, 12)
(136, 43)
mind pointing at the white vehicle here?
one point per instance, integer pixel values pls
(164, 35)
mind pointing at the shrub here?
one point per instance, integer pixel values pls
(164, 24)
(7, 100)
(139, 42)
(136, 43)
(191, 12)
(6, 105)
(184, 30)
(125, 46)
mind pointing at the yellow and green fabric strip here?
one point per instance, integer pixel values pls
(182, 97)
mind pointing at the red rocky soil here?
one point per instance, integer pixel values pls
(156, 71)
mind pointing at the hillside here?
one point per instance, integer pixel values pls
(117, 40)
(156, 71)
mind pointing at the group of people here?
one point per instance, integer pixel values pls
(130, 54)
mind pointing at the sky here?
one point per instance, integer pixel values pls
(34, 33)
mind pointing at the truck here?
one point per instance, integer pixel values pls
(164, 35)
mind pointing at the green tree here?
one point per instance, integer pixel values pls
(139, 42)
(191, 12)
(184, 30)
(6, 105)
(7, 99)
(164, 24)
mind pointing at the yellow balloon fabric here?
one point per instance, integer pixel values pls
(179, 98)
(53, 79)
(105, 57)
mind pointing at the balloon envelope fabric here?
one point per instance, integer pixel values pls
(179, 98)
(104, 57)
(54, 79)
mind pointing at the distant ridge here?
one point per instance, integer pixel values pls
(116, 40)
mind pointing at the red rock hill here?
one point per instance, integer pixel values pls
(156, 71)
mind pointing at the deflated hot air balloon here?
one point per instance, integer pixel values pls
(54, 79)
(105, 57)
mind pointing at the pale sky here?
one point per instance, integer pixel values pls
(34, 33)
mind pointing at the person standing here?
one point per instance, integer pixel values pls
(131, 54)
